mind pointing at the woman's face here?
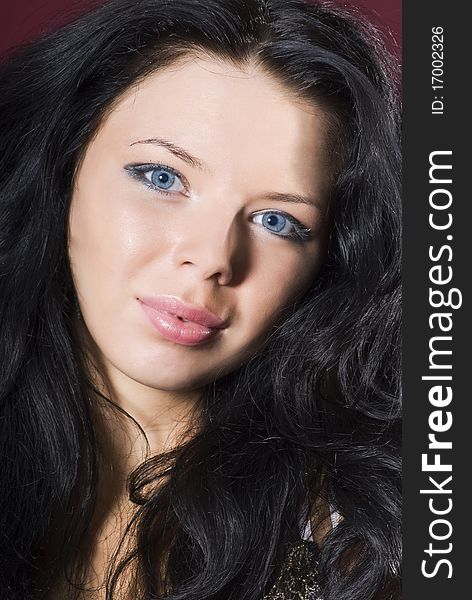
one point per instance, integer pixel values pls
(197, 188)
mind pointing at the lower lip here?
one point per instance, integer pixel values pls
(173, 329)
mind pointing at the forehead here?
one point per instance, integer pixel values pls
(222, 113)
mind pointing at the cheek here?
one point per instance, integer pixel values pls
(276, 283)
(110, 239)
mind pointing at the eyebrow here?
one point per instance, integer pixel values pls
(176, 151)
(292, 198)
(193, 161)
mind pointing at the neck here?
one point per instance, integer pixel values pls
(133, 421)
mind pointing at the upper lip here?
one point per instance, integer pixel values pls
(190, 312)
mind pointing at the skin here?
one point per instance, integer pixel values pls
(203, 242)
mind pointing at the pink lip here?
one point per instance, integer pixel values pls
(163, 312)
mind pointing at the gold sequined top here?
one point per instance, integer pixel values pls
(298, 577)
(296, 581)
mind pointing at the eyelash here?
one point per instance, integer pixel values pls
(300, 235)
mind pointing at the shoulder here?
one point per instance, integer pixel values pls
(318, 522)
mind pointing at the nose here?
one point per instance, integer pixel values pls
(209, 247)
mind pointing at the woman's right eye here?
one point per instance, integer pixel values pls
(161, 178)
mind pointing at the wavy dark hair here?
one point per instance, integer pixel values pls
(314, 414)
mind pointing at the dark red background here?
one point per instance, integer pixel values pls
(21, 20)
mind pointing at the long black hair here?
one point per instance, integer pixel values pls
(314, 414)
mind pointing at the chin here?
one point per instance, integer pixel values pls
(164, 378)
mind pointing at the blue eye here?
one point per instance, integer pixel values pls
(276, 222)
(162, 178)
(283, 225)
(158, 177)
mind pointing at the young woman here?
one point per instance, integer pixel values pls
(199, 302)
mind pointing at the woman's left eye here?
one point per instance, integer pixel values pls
(158, 177)
(283, 225)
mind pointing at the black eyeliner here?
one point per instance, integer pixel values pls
(302, 233)
(137, 171)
